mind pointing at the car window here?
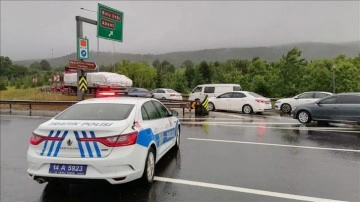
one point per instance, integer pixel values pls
(349, 99)
(96, 111)
(154, 91)
(236, 88)
(161, 91)
(256, 95)
(238, 95)
(225, 95)
(152, 112)
(144, 113)
(197, 89)
(329, 100)
(321, 95)
(209, 90)
(163, 111)
(306, 96)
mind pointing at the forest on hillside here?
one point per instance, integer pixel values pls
(288, 76)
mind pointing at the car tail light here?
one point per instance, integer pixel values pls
(260, 101)
(172, 94)
(36, 139)
(115, 141)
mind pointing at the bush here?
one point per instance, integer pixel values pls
(2, 85)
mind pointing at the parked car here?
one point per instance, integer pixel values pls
(343, 107)
(138, 92)
(112, 139)
(212, 90)
(243, 101)
(166, 93)
(287, 104)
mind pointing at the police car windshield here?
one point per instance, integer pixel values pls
(97, 111)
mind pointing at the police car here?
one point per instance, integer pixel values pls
(113, 139)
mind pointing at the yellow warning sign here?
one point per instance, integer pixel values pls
(82, 83)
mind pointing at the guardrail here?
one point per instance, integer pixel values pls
(30, 103)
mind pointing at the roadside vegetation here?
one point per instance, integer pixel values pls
(288, 76)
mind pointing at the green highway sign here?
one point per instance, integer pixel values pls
(110, 23)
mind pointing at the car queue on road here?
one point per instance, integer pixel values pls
(231, 97)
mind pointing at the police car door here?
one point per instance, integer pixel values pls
(167, 138)
(153, 120)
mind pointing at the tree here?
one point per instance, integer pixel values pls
(291, 70)
(45, 65)
(5, 66)
(156, 64)
(205, 72)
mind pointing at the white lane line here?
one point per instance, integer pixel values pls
(244, 125)
(244, 190)
(275, 145)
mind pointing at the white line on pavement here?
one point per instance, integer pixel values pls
(256, 125)
(275, 145)
(243, 190)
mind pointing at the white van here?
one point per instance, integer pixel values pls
(212, 90)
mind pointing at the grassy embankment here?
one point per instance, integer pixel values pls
(33, 94)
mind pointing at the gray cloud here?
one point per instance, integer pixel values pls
(30, 29)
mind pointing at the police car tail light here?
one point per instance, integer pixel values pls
(115, 141)
(36, 139)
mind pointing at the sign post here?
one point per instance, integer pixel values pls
(110, 23)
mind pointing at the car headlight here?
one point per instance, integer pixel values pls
(277, 102)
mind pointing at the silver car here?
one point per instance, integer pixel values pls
(341, 108)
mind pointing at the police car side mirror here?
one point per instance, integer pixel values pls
(173, 113)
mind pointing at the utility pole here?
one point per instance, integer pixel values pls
(334, 78)
(114, 55)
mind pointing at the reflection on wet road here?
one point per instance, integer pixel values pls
(222, 157)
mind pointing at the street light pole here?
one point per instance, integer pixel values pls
(333, 78)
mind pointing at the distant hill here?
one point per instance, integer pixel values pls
(310, 51)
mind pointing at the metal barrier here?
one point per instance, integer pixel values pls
(30, 103)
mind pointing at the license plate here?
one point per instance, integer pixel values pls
(69, 169)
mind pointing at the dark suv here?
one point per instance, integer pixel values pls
(341, 108)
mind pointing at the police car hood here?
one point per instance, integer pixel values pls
(70, 131)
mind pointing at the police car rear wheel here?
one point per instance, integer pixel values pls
(211, 106)
(148, 175)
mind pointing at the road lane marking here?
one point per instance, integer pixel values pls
(245, 125)
(275, 145)
(244, 190)
(242, 123)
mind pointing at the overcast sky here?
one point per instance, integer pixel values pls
(31, 29)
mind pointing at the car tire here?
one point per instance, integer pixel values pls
(177, 140)
(211, 106)
(149, 170)
(247, 109)
(304, 117)
(286, 108)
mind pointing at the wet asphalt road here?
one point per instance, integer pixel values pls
(224, 157)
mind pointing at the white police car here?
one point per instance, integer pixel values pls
(113, 139)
